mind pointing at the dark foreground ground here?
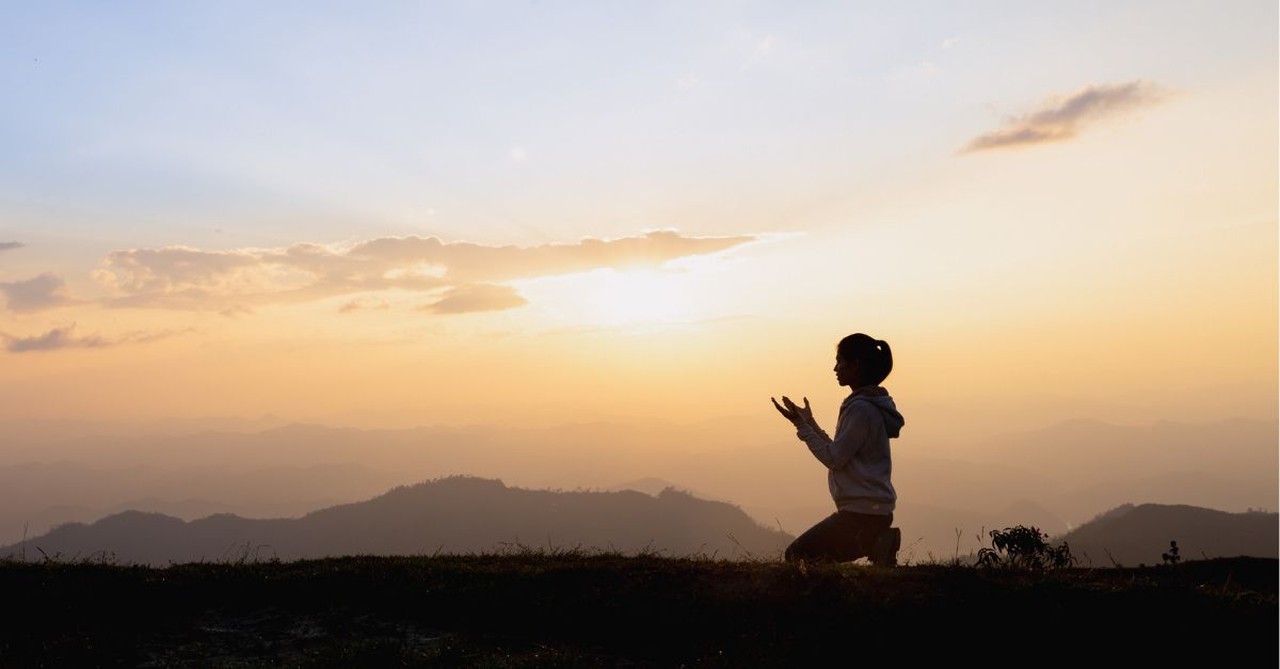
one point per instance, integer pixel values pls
(570, 610)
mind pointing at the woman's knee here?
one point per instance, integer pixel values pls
(808, 548)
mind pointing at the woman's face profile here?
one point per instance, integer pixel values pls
(846, 371)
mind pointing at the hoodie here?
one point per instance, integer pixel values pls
(857, 458)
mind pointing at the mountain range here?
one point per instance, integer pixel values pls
(454, 515)
(1132, 535)
(949, 494)
(460, 515)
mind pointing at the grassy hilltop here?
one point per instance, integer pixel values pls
(567, 608)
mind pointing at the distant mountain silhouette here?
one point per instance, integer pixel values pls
(1131, 535)
(449, 515)
(650, 485)
(36, 497)
(1093, 465)
(654, 486)
(949, 493)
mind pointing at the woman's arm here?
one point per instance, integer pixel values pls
(851, 432)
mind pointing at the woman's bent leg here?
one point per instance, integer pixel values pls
(840, 537)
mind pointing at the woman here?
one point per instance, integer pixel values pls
(857, 459)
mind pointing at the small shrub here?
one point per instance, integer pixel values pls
(1024, 547)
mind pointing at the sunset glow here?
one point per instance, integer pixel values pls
(633, 219)
(630, 297)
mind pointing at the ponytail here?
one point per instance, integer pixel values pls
(873, 355)
(886, 356)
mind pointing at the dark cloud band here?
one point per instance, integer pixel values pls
(65, 337)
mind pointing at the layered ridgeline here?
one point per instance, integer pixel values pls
(1132, 535)
(1057, 478)
(455, 515)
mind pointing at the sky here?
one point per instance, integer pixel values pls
(530, 213)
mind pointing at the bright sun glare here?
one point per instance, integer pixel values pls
(636, 297)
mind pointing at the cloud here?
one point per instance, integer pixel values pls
(42, 292)
(64, 337)
(174, 268)
(186, 278)
(1061, 118)
(477, 297)
(754, 49)
(6, 246)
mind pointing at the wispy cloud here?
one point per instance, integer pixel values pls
(64, 337)
(759, 49)
(477, 297)
(42, 292)
(5, 246)
(187, 278)
(1062, 117)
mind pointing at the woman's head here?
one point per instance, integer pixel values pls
(862, 361)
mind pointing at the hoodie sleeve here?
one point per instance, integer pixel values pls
(852, 430)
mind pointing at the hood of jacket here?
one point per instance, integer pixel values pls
(879, 397)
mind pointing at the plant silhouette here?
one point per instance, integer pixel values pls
(1023, 547)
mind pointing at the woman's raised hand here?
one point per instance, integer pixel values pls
(805, 413)
(798, 415)
(786, 413)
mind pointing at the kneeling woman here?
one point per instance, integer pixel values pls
(857, 459)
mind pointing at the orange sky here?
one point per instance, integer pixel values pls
(672, 240)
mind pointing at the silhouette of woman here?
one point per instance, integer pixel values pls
(857, 459)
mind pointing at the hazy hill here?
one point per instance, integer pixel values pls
(1229, 464)
(451, 515)
(36, 497)
(1131, 535)
(949, 493)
